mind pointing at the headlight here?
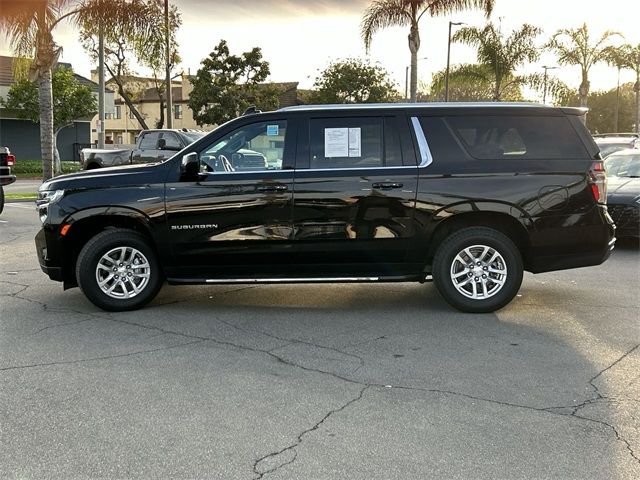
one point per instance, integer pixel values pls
(46, 198)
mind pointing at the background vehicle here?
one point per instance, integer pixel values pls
(151, 146)
(623, 191)
(612, 142)
(471, 195)
(6, 161)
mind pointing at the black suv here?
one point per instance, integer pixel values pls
(470, 195)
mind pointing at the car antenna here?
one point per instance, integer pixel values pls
(252, 110)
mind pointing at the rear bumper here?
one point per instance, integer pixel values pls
(550, 263)
(7, 179)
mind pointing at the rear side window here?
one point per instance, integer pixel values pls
(514, 137)
(359, 142)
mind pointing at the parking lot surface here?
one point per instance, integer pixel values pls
(357, 381)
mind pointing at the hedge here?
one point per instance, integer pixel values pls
(33, 168)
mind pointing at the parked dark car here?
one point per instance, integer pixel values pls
(613, 142)
(623, 191)
(470, 195)
(6, 162)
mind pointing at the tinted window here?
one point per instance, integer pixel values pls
(352, 143)
(255, 147)
(513, 137)
(149, 141)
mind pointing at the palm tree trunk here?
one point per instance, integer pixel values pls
(584, 94)
(45, 99)
(414, 46)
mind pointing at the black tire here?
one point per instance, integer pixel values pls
(92, 253)
(445, 261)
(1, 199)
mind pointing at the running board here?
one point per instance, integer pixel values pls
(222, 281)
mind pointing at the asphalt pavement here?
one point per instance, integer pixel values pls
(355, 381)
(23, 186)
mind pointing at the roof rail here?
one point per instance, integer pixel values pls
(365, 106)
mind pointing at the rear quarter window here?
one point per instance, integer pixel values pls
(517, 137)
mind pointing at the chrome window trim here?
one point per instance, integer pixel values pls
(426, 158)
(404, 167)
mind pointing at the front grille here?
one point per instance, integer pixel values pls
(624, 215)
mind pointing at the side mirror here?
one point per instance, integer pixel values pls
(190, 164)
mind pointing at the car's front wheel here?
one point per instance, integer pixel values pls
(478, 270)
(118, 270)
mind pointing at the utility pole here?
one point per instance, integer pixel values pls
(168, 55)
(446, 77)
(617, 110)
(544, 94)
(100, 126)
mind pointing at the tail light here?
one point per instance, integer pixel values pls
(11, 160)
(598, 181)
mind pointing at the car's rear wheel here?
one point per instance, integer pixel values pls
(117, 270)
(478, 270)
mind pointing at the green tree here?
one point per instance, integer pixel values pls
(353, 81)
(227, 85)
(499, 57)
(71, 101)
(574, 46)
(136, 31)
(472, 83)
(602, 108)
(382, 14)
(627, 57)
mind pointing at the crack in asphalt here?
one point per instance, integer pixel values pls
(93, 359)
(293, 341)
(292, 447)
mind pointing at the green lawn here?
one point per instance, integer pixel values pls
(21, 196)
(33, 168)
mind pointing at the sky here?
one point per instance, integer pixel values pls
(301, 37)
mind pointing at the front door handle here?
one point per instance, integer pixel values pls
(386, 186)
(272, 188)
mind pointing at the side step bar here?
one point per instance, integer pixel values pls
(223, 281)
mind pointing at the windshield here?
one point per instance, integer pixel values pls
(607, 149)
(623, 165)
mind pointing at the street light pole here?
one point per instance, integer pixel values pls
(544, 94)
(168, 55)
(446, 78)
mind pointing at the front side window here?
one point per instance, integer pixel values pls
(513, 137)
(251, 148)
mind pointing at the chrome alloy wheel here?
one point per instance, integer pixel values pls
(478, 272)
(123, 272)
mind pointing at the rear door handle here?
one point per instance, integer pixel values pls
(272, 188)
(386, 186)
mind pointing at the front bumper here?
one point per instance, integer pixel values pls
(627, 219)
(46, 251)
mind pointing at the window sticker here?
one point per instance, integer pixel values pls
(273, 130)
(336, 142)
(342, 142)
(355, 142)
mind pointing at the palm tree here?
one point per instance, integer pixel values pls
(29, 26)
(393, 13)
(627, 57)
(500, 56)
(574, 46)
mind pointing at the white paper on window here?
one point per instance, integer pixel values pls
(355, 142)
(336, 142)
